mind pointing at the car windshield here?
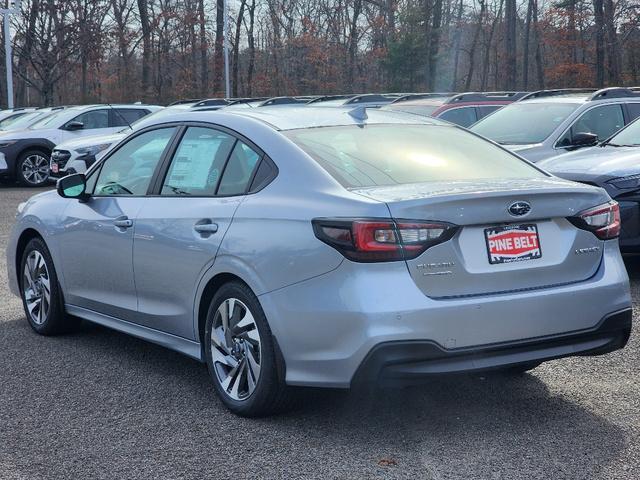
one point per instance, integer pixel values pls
(20, 122)
(375, 155)
(629, 136)
(5, 122)
(524, 123)
(47, 121)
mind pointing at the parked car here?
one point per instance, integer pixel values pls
(463, 109)
(551, 122)
(24, 120)
(311, 247)
(77, 155)
(615, 166)
(367, 99)
(24, 154)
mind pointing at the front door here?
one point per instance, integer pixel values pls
(97, 240)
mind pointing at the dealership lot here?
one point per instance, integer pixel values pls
(100, 404)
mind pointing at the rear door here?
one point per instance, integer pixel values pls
(179, 230)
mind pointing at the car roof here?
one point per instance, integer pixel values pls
(299, 117)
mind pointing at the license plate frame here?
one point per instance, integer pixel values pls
(518, 243)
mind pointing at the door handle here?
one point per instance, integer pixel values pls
(123, 222)
(206, 228)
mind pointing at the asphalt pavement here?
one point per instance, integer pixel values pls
(99, 404)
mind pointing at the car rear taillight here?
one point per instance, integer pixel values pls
(377, 240)
(603, 220)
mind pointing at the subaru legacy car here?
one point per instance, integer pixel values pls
(615, 166)
(548, 123)
(290, 247)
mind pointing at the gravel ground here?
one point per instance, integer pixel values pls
(99, 404)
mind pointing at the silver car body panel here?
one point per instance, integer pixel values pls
(326, 312)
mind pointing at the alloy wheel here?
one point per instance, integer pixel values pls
(36, 287)
(35, 169)
(236, 349)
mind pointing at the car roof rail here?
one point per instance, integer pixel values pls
(487, 96)
(615, 92)
(370, 98)
(282, 101)
(422, 96)
(182, 102)
(235, 101)
(326, 98)
(211, 102)
(555, 92)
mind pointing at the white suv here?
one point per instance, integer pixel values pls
(24, 154)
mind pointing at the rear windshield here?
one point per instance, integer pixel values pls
(524, 123)
(376, 155)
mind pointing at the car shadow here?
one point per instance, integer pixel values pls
(119, 387)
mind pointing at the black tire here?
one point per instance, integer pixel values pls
(270, 395)
(54, 321)
(41, 177)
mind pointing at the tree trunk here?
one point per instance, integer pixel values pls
(219, 45)
(474, 45)
(510, 14)
(353, 43)
(25, 54)
(236, 48)
(599, 20)
(525, 53)
(252, 47)
(456, 46)
(434, 44)
(539, 65)
(613, 45)
(146, 50)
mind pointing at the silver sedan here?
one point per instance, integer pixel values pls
(325, 247)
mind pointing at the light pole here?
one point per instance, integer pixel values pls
(12, 7)
(225, 43)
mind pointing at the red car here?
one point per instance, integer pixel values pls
(463, 109)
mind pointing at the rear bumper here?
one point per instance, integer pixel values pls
(328, 325)
(407, 363)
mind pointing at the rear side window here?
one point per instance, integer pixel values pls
(485, 110)
(123, 117)
(198, 162)
(463, 116)
(239, 170)
(604, 121)
(634, 110)
(376, 155)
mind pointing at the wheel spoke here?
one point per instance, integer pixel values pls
(254, 366)
(220, 357)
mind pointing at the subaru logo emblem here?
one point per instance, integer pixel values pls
(519, 209)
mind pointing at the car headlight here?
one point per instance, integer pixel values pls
(7, 143)
(625, 183)
(20, 208)
(92, 150)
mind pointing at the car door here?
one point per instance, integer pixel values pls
(97, 239)
(179, 231)
(94, 122)
(603, 121)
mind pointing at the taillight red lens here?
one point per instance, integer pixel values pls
(365, 240)
(603, 220)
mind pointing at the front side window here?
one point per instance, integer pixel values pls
(602, 121)
(130, 169)
(198, 162)
(239, 170)
(93, 119)
(463, 116)
(524, 123)
(378, 155)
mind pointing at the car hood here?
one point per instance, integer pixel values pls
(605, 161)
(28, 133)
(90, 141)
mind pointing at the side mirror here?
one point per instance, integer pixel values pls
(74, 126)
(72, 186)
(584, 139)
